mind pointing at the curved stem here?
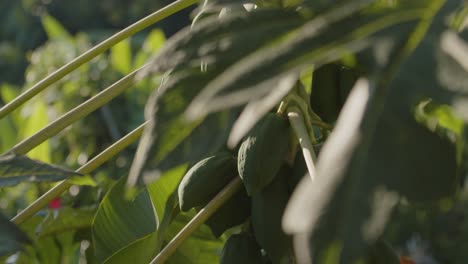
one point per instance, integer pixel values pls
(297, 122)
(90, 54)
(75, 114)
(198, 220)
(62, 186)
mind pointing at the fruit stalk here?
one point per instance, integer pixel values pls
(198, 220)
(297, 122)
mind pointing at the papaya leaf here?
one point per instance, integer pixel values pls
(377, 152)
(341, 30)
(15, 169)
(139, 251)
(123, 229)
(119, 222)
(190, 55)
(11, 237)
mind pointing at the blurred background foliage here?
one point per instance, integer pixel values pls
(36, 38)
(39, 36)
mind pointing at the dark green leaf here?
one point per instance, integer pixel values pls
(119, 222)
(341, 30)
(16, 169)
(376, 152)
(193, 55)
(11, 238)
(123, 229)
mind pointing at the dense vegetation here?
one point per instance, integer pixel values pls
(274, 132)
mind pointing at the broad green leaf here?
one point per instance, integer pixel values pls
(376, 152)
(143, 250)
(157, 199)
(121, 56)
(119, 222)
(11, 237)
(16, 169)
(54, 29)
(325, 38)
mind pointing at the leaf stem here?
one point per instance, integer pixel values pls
(297, 122)
(198, 220)
(62, 186)
(90, 54)
(75, 114)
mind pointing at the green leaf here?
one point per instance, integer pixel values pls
(323, 39)
(119, 222)
(169, 128)
(16, 169)
(121, 56)
(37, 119)
(376, 152)
(54, 29)
(200, 247)
(159, 199)
(153, 43)
(64, 219)
(11, 237)
(140, 251)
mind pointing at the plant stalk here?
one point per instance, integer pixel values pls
(297, 122)
(198, 220)
(75, 114)
(95, 51)
(91, 165)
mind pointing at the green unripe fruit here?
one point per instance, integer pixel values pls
(267, 211)
(234, 212)
(205, 179)
(241, 249)
(262, 152)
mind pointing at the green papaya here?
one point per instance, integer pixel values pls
(205, 179)
(262, 152)
(234, 212)
(241, 249)
(299, 170)
(331, 85)
(267, 211)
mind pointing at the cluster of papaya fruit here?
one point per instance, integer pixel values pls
(270, 166)
(261, 163)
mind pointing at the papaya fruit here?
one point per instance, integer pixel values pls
(262, 152)
(205, 179)
(267, 211)
(331, 85)
(234, 212)
(241, 249)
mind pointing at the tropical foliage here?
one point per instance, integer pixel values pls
(339, 127)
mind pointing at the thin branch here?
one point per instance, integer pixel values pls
(90, 54)
(198, 220)
(297, 122)
(62, 186)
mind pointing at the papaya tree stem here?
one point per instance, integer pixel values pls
(198, 220)
(297, 122)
